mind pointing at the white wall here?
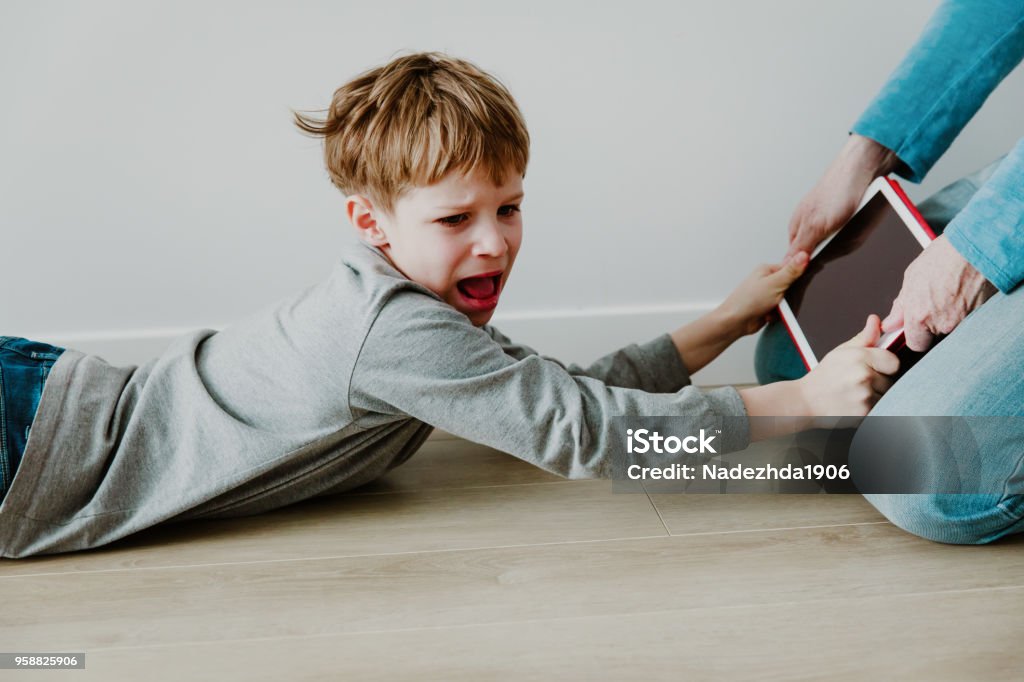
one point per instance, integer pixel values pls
(151, 181)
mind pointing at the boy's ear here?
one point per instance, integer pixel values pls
(363, 217)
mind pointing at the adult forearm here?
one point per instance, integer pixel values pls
(988, 231)
(965, 51)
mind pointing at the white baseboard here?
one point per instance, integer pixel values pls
(579, 336)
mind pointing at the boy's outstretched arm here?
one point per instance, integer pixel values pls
(423, 359)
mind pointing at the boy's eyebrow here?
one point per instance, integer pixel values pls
(455, 208)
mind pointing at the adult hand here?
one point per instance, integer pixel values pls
(939, 289)
(832, 201)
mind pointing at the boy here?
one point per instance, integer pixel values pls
(329, 390)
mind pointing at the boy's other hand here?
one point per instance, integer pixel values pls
(852, 378)
(754, 300)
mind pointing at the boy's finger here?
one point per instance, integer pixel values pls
(792, 268)
(867, 336)
(881, 383)
(883, 361)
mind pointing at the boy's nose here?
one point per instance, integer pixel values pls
(489, 240)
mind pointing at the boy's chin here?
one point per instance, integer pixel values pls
(480, 319)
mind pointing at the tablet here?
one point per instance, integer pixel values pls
(855, 272)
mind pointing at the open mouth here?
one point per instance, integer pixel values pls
(480, 292)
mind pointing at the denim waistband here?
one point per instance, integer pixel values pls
(24, 368)
(33, 350)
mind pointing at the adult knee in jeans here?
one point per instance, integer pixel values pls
(961, 519)
(954, 479)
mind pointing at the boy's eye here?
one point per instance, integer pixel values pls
(453, 220)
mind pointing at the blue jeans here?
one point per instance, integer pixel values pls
(24, 366)
(976, 370)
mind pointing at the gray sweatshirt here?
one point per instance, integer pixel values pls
(316, 395)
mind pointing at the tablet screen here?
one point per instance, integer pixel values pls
(857, 273)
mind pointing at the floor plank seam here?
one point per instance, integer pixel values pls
(658, 512)
(667, 534)
(557, 619)
(783, 528)
(338, 556)
(358, 493)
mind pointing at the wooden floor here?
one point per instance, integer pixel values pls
(466, 564)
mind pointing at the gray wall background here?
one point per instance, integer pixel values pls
(151, 181)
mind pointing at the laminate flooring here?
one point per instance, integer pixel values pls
(467, 564)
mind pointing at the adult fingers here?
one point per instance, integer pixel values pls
(796, 221)
(801, 229)
(894, 320)
(804, 240)
(919, 338)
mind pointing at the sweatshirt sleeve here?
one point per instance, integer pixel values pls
(423, 359)
(965, 51)
(654, 366)
(989, 231)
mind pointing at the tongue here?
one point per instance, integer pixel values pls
(479, 287)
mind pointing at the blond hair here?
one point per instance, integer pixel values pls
(414, 120)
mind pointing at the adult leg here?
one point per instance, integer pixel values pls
(975, 372)
(776, 357)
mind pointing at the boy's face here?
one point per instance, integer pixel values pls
(458, 237)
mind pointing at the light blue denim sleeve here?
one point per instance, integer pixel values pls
(965, 51)
(989, 232)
